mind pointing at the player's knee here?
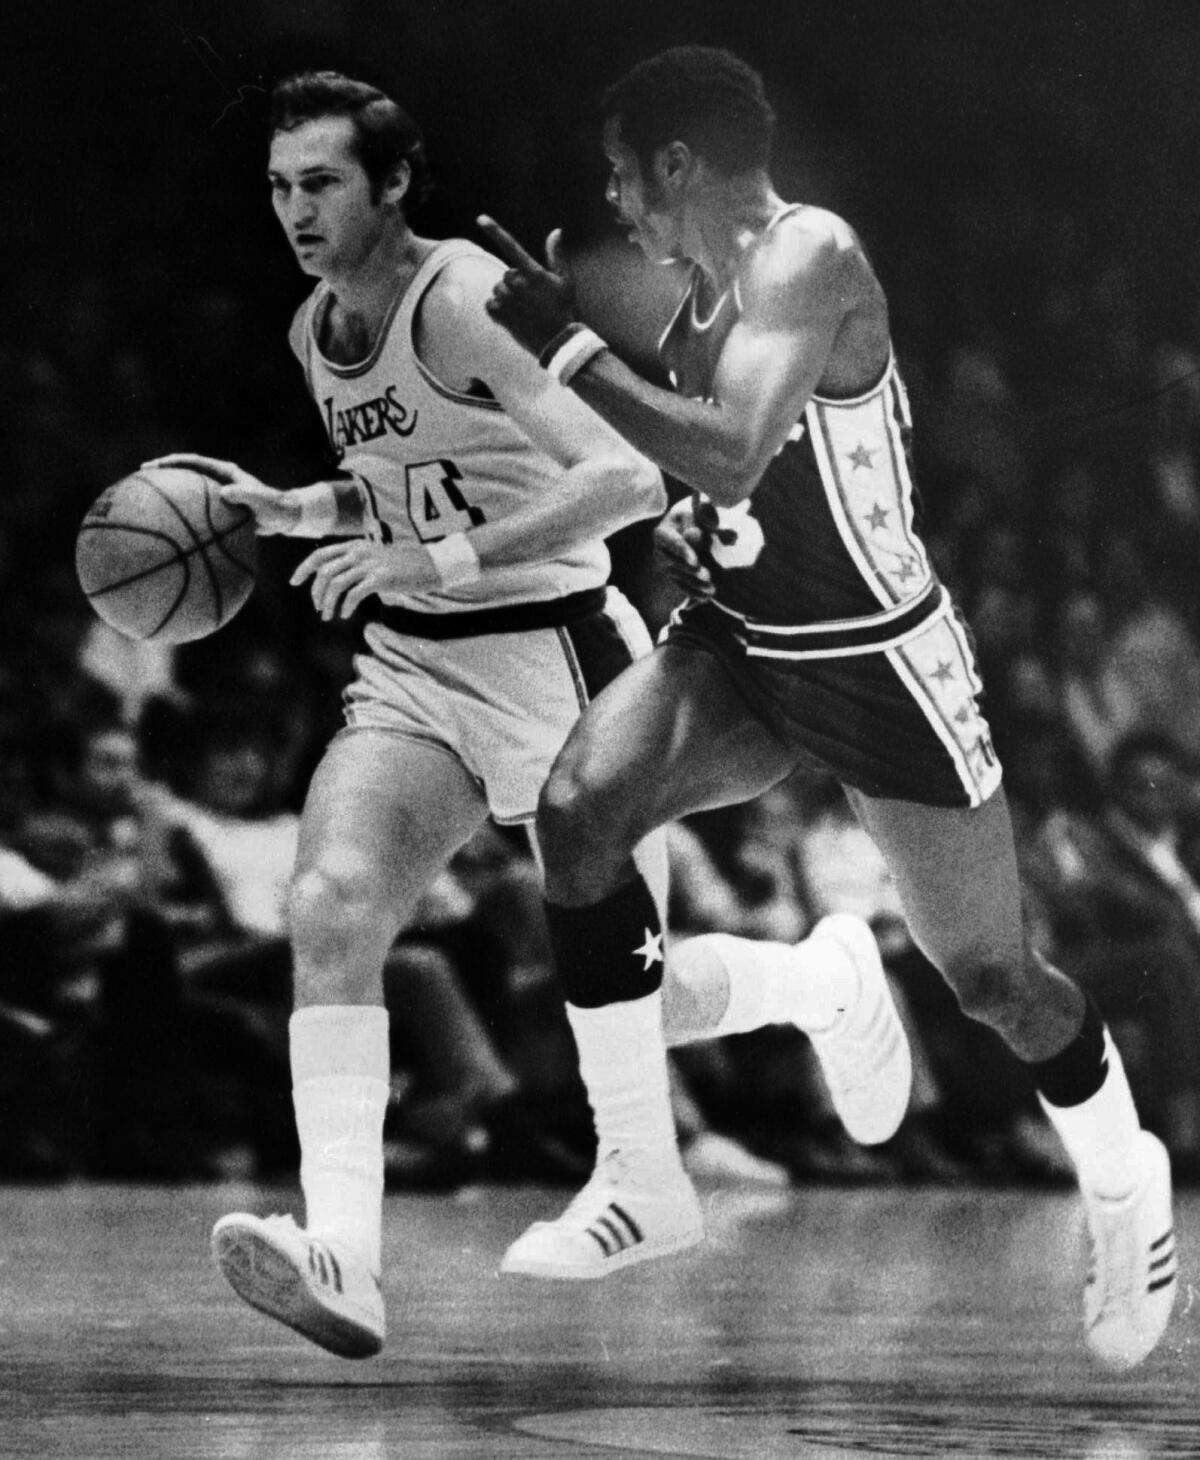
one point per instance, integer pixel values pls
(329, 912)
(586, 838)
(573, 821)
(989, 989)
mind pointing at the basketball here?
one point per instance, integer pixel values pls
(160, 556)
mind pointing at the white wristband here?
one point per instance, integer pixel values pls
(455, 560)
(568, 359)
(318, 510)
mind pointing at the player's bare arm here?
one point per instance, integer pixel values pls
(323, 509)
(606, 485)
(798, 291)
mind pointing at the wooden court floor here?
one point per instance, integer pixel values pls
(819, 1322)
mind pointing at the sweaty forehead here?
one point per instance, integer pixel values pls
(322, 142)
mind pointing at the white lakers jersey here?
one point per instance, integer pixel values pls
(435, 460)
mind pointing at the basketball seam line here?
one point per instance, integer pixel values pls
(179, 556)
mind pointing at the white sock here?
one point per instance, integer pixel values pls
(1101, 1133)
(340, 1084)
(623, 1062)
(808, 985)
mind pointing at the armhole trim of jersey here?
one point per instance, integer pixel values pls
(702, 326)
(300, 338)
(309, 348)
(889, 370)
(459, 397)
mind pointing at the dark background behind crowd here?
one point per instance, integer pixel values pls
(1023, 175)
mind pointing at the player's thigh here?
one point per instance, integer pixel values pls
(384, 813)
(956, 872)
(670, 736)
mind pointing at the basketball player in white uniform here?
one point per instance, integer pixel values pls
(818, 633)
(478, 492)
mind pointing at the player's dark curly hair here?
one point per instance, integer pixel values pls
(384, 133)
(700, 95)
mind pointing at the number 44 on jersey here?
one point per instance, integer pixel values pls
(436, 503)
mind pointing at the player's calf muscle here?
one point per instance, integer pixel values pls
(1033, 1007)
(987, 987)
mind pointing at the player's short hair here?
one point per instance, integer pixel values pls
(706, 97)
(384, 133)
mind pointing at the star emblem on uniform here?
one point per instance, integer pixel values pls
(860, 456)
(651, 949)
(908, 568)
(963, 715)
(944, 671)
(877, 517)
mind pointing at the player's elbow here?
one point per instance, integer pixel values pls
(729, 490)
(652, 488)
(646, 488)
(731, 468)
(729, 482)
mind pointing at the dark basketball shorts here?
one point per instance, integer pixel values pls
(900, 723)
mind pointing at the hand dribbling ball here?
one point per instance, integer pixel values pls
(161, 557)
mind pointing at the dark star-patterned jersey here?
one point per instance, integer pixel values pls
(825, 556)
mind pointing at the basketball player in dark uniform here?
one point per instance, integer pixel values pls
(817, 635)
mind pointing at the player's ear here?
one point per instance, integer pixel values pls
(673, 164)
(395, 189)
(556, 259)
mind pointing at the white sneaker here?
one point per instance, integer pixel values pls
(1131, 1286)
(865, 1057)
(629, 1211)
(710, 1156)
(314, 1286)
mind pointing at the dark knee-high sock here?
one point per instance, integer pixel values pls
(610, 960)
(1086, 1097)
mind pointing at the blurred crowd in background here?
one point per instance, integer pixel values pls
(1047, 319)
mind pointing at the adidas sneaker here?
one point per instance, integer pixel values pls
(313, 1285)
(1132, 1283)
(630, 1211)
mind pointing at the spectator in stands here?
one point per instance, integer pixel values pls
(52, 930)
(1098, 704)
(1152, 652)
(1119, 897)
(152, 1107)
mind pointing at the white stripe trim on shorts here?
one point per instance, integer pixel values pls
(978, 787)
